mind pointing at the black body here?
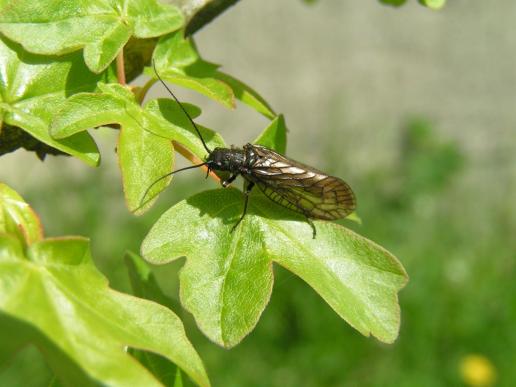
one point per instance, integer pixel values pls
(287, 182)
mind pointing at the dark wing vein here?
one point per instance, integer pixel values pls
(301, 188)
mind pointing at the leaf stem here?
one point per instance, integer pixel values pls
(143, 91)
(120, 71)
(194, 159)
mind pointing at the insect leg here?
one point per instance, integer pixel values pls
(311, 223)
(229, 180)
(247, 191)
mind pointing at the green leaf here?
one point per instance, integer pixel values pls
(144, 158)
(84, 111)
(113, 103)
(55, 288)
(247, 95)
(172, 123)
(145, 149)
(101, 28)
(178, 382)
(18, 218)
(31, 87)
(395, 3)
(274, 136)
(227, 280)
(433, 4)
(178, 61)
(16, 335)
(145, 286)
(143, 282)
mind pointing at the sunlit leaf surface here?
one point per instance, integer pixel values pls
(227, 279)
(100, 28)
(52, 296)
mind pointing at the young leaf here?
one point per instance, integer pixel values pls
(101, 28)
(433, 4)
(246, 94)
(178, 61)
(32, 86)
(174, 124)
(227, 280)
(145, 149)
(55, 287)
(274, 136)
(144, 158)
(17, 217)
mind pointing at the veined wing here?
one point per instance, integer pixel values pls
(300, 187)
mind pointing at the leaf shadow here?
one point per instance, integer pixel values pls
(216, 203)
(20, 334)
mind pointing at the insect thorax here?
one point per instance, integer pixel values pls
(225, 159)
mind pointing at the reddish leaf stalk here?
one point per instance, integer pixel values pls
(193, 159)
(120, 71)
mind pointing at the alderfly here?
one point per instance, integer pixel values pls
(287, 182)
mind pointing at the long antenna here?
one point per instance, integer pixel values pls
(143, 202)
(182, 108)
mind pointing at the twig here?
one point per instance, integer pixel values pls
(120, 71)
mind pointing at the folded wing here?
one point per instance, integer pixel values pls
(301, 188)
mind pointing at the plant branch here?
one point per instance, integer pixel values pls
(200, 16)
(120, 71)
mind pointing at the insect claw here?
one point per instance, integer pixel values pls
(314, 230)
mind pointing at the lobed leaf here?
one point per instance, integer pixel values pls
(227, 279)
(145, 149)
(247, 95)
(175, 125)
(52, 296)
(144, 285)
(18, 218)
(178, 61)
(32, 86)
(100, 28)
(55, 288)
(274, 136)
(144, 159)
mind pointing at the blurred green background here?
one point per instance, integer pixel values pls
(414, 109)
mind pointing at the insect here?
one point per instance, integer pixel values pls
(287, 182)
